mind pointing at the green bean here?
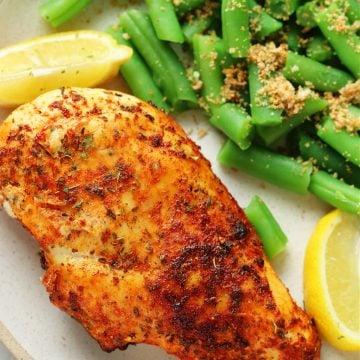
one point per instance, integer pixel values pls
(184, 6)
(335, 192)
(281, 9)
(164, 20)
(196, 26)
(234, 122)
(302, 70)
(270, 134)
(354, 111)
(137, 74)
(241, 94)
(270, 233)
(328, 159)
(57, 12)
(169, 72)
(207, 60)
(319, 49)
(235, 27)
(344, 41)
(293, 36)
(261, 112)
(272, 167)
(261, 23)
(305, 14)
(227, 62)
(344, 142)
(143, 45)
(353, 10)
(225, 59)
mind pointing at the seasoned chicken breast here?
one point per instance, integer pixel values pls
(141, 242)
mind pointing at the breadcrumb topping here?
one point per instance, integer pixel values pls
(205, 11)
(277, 92)
(126, 36)
(283, 95)
(340, 21)
(254, 21)
(234, 82)
(194, 78)
(339, 107)
(212, 57)
(202, 133)
(268, 58)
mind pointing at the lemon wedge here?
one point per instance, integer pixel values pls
(332, 279)
(74, 58)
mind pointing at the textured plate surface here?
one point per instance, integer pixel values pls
(46, 333)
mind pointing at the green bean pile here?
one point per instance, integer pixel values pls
(310, 49)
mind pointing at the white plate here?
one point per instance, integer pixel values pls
(46, 333)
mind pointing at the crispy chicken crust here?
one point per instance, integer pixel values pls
(141, 242)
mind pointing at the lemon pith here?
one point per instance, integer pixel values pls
(331, 279)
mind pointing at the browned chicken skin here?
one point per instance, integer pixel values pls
(142, 242)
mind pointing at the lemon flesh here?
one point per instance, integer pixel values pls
(332, 279)
(342, 268)
(75, 58)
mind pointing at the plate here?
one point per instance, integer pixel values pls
(38, 330)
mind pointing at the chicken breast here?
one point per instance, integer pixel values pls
(141, 242)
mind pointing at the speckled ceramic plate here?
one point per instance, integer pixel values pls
(32, 327)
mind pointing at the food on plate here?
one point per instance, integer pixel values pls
(73, 58)
(57, 12)
(328, 159)
(294, 175)
(331, 279)
(141, 242)
(271, 235)
(166, 24)
(138, 76)
(266, 77)
(167, 68)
